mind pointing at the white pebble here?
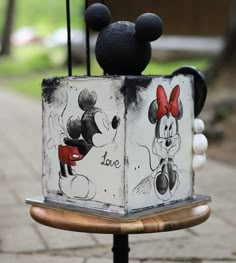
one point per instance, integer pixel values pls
(198, 126)
(199, 160)
(200, 143)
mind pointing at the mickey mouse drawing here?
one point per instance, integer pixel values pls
(75, 142)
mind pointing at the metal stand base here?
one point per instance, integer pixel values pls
(120, 249)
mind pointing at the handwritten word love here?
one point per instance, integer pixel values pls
(108, 162)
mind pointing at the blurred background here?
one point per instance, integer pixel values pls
(199, 33)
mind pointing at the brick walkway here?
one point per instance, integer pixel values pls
(22, 240)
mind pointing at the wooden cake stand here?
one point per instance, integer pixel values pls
(165, 221)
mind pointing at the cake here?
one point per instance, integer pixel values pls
(122, 143)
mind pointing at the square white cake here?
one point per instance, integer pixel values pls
(118, 144)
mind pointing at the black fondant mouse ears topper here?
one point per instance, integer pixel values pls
(200, 86)
(148, 27)
(97, 16)
(122, 48)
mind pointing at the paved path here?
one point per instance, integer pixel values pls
(22, 240)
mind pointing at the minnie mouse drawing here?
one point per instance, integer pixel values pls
(165, 114)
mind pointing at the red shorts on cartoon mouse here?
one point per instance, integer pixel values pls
(92, 130)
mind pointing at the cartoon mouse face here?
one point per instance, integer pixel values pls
(165, 114)
(167, 139)
(94, 125)
(123, 48)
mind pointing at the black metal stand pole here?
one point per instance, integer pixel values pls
(87, 38)
(69, 59)
(120, 249)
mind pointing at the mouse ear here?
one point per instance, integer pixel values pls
(200, 86)
(97, 16)
(152, 112)
(86, 99)
(74, 127)
(149, 27)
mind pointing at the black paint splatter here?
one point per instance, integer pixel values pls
(132, 87)
(49, 86)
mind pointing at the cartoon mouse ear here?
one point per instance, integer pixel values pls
(97, 16)
(74, 127)
(200, 86)
(152, 113)
(149, 27)
(86, 99)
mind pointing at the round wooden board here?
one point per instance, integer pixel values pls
(167, 221)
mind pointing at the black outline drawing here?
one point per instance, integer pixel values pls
(79, 136)
(165, 114)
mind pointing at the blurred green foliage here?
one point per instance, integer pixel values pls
(169, 66)
(24, 70)
(44, 16)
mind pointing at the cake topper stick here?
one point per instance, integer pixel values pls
(69, 61)
(103, 2)
(88, 66)
(88, 59)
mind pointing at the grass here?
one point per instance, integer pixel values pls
(31, 58)
(24, 70)
(30, 84)
(170, 66)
